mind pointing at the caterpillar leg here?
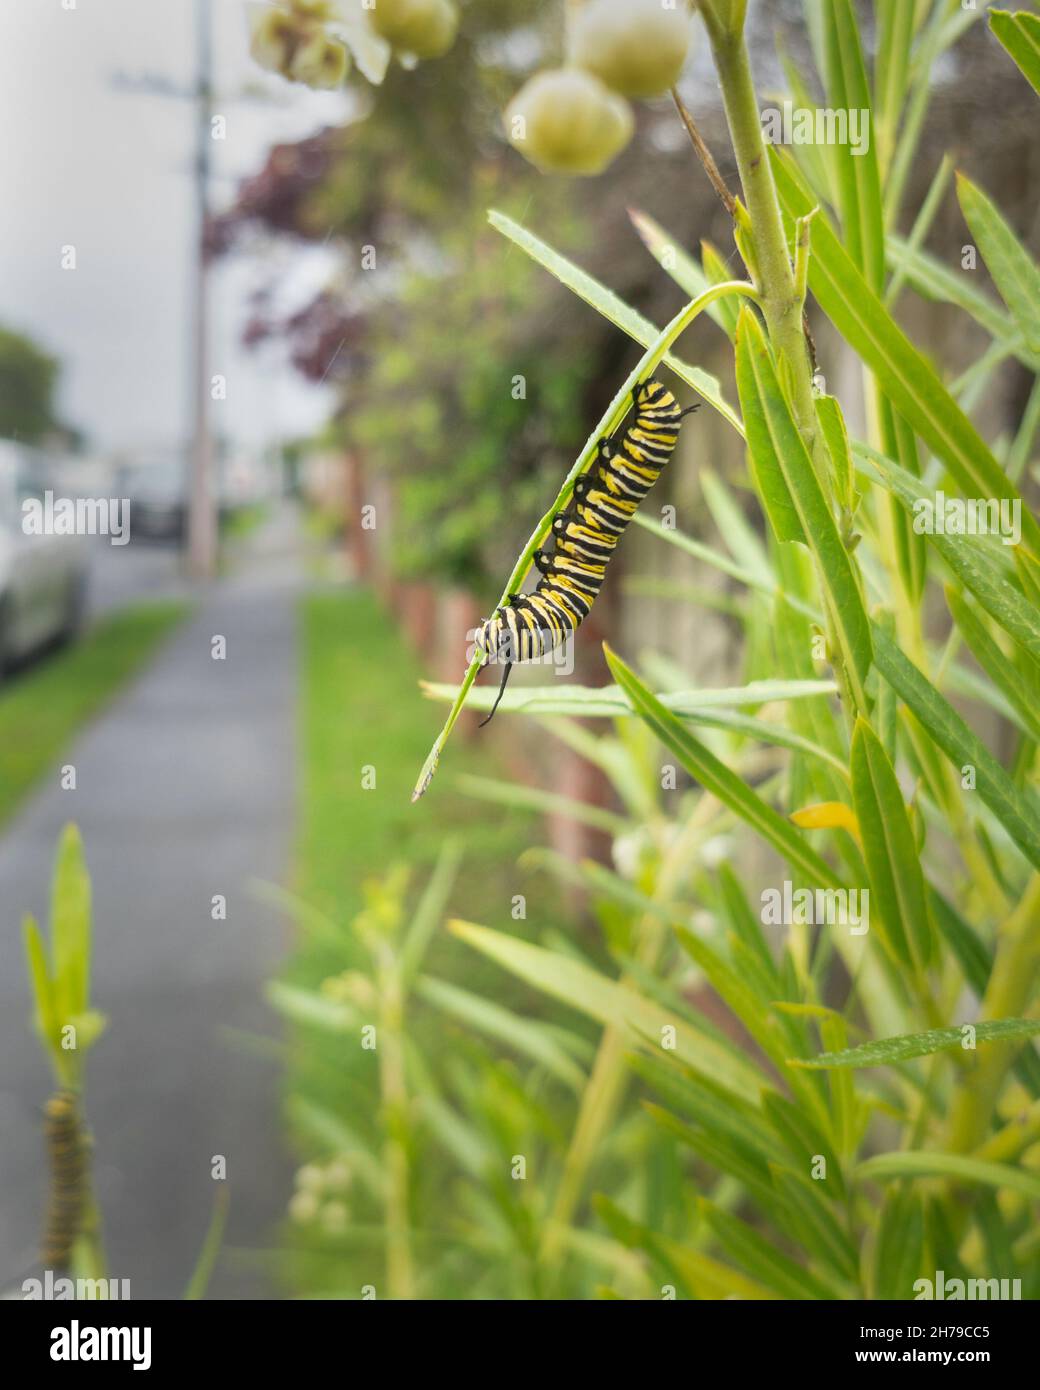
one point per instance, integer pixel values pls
(498, 698)
(543, 561)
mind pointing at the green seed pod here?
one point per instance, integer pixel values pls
(319, 61)
(566, 121)
(637, 47)
(424, 28)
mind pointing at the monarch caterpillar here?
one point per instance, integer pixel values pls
(67, 1157)
(606, 498)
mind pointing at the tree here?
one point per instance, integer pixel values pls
(28, 377)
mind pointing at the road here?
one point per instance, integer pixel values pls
(184, 790)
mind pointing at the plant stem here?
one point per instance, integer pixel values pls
(400, 1275)
(606, 1084)
(775, 277)
(1008, 993)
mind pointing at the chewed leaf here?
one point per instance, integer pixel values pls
(886, 1051)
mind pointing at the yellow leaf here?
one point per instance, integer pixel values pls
(828, 815)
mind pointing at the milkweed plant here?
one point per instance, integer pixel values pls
(826, 1087)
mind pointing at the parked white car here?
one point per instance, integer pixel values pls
(43, 578)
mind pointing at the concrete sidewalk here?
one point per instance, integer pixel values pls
(184, 790)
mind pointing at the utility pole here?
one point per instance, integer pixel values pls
(202, 502)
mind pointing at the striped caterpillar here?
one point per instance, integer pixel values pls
(605, 500)
(67, 1158)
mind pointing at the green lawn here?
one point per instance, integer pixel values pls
(42, 707)
(361, 706)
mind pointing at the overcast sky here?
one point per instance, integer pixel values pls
(108, 171)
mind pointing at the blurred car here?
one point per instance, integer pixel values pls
(156, 485)
(43, 578)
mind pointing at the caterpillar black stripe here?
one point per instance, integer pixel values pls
(605, 500)
(67, 1158)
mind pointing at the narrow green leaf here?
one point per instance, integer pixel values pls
(70, 926)
(722, 1151)
(976, 559)
(504, 793)
(1019, 32)
(832, 422)
(492, 1019)
(429, 911)
(742, 1001)
(676, 261)
(887, 1051)
(717, 271)
(711, 1107)
(760, 1259)
(45, 1012)
(896, 879)
(609, 1003)
(774, 440)
(949, 732)
(720, 780)
(747, 927)
(859, 183)
(766, 468)
(207, 1260)
(723, 564)
(1015, 273)
(742, 541)
(811, 1222)
(899, 1250)
(329, 1129)
(895, 21)
(918, 1164)
(701, 1276)
(308, 1007)
(922, 225)
(908, 379)
(1004, 674)
(805, 1141)
(459, 1138)
(611, 702)
(611, 307)
(938, 283)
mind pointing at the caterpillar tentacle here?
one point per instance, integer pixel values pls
(586, 534)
